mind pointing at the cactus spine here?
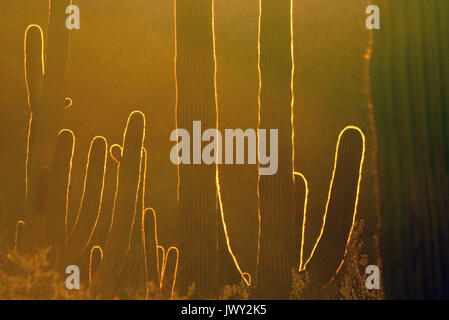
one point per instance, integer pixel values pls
(410, 81)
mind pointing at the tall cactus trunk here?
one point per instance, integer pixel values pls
(47, 110)
(410, 81)
(276, 193)
(195, 74)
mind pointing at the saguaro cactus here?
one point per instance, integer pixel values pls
(91, 199)
(136, 257)
(195, 70)
(58, 189)
(410, 81)
(124, 210)
(276, 192)
(47, 110)
(341, 207)
(150, 246)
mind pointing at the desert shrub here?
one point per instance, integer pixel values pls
(353, 277)
(31, 277)
(235, 292)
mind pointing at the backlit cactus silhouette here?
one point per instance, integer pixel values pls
(151, 252)
(136, 260)
(202, 225)
(56, 205)
(328, 253)
(125, 206)
(46, 95)
(197, 194)
(95, 257)
(169, 272)
(410, 81)
(276, 193)
(91, 199)
(282, 214)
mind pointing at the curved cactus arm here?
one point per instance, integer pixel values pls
(91, 199)
(170, 272)
(150, 246)
(34, 64)
(116, 152)
(161, 260)
(59, 189)
(47, 117)
(95, 257)
(229, 267)
(136, 256)
(34, 76)
(125, 202)
(18, 239)
(302, 196)
(341, 208)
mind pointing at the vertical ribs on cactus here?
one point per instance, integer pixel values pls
(276, 241)
(196, 99)
(195, 91)
(330, 247)
(409, 86)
